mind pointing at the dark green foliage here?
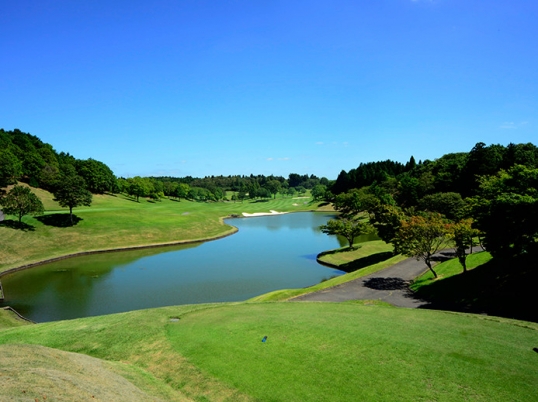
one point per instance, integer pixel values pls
(451, 205)
(71, 193)
(21, 201)
(506, 211)
(368, 173)
(98, 176)
(348, 227)
(10, 167)
(25, 157)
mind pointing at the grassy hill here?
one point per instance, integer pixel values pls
(314, 352)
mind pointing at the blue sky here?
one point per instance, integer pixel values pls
(194, 87)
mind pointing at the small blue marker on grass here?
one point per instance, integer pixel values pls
(264, 339)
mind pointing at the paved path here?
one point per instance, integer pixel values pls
(389, 285)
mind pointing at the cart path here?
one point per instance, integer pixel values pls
(390, 285)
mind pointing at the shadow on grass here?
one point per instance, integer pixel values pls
(366, 261)
(9, 223)
(58, 220)
(505, 288)
(257, 201)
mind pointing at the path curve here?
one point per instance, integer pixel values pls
(390, 285)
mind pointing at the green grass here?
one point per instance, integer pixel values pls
(363, 255)
(118, 222)
(314, 351)
(8, 319)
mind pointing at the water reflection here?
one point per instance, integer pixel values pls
(268, 253)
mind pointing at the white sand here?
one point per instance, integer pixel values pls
(247, 215)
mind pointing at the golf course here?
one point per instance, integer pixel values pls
(313, 351)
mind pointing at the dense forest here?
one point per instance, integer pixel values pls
(492, 190)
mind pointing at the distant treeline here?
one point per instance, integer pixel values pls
(24, 157)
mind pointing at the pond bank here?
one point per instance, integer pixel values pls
(116, 249)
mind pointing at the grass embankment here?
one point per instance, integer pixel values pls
(119, 222)
(498, 287)
(366, 259)
(314, 351)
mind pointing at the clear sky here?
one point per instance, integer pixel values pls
(195, 87)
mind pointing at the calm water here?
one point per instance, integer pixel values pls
(268, 253)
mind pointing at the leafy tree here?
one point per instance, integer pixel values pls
(182, 190)
(10, 167)
(98, 176)
(387, 220)
(462, 233)
(347, 227)
(21, 201)
(506, 211)
(139, 187)
(71, 193)
(421, 237)
(318, 192)
(451, 205)
(354, 202)
(273, 186)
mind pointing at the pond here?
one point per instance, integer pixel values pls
(268, 253)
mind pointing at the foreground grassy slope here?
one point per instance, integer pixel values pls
(314, 351)
(116, 222)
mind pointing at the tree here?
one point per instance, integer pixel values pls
(346, 227)
(387, 220)
(71, 193)
(451, 205)
(318, 192)
(139, 187)
(21, 201)
(421, 237)
(10, 167)
(273, 186)
(182, 190)
(462, 234)
(506, 211)
(98, 176)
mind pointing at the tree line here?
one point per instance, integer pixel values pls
(25, 158)
(489, 194)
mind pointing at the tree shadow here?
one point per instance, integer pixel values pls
(9, 223)
(386, 283)
(365, 261)
(505, 288)
(58, 220)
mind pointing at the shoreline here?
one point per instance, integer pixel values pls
(232, 231)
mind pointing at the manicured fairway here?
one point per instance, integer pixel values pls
(314, 351)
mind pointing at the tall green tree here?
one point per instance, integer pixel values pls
(21, 201)
(71, 192)
(348, 227)
(421, 237)
(273, 186)
(10, 167)
(462, 233)
(506, 211)
(98, 176)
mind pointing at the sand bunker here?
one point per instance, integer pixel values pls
(247, 215)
